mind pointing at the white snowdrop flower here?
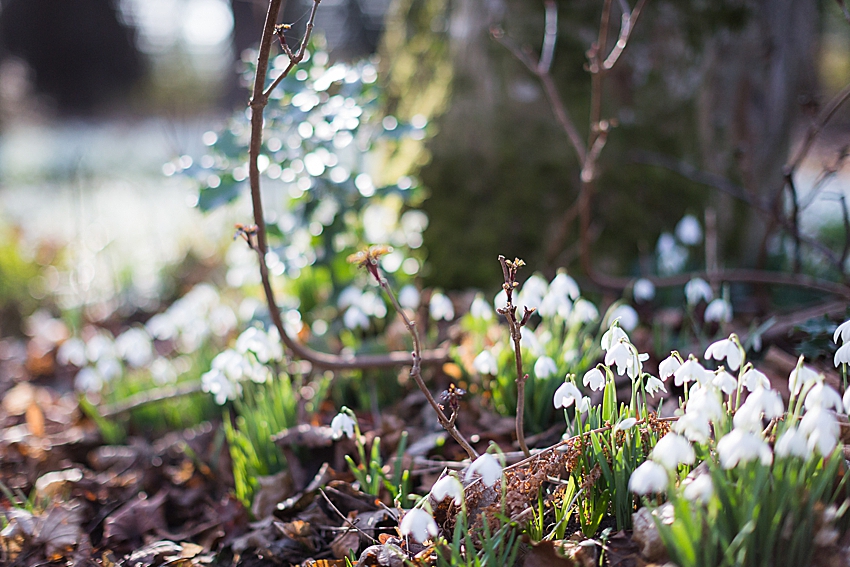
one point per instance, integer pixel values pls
(162, 326)
(342, 424)
(673, 450)
(689, 231)
(448, 486)
(594, 379)
(698, 290)
(441, 307)
(583, 405)
(671, 255)
(692, 371)
(825, 397)
(566, 395)
(554, 304)
(740, 446)
(625, 424)
(725, 381)
(725, 349)
(100, 346)
(531, 342)
(584, 311)
(654, 385)
(418, 524)
(372, 304)
(488, 467)
(649, 478)
(88, 380)
(260, 343)
(802, 376)
(819, 419)
(408, 297)
(215, 382)
(705, 402)
(532, 292)
(842, 355)
(563, 284)
(643, 290)
(719, 311)
(485, 363)
(612, 337)
(480, 309)
(761, 403)
(822, 442)
(754, 379)
(694, 426)
(545, 367)
(846, 400)
(627, 315)
(620, 354)
(354, 318)
(109, 368)
(72, 351)
(843, 331)
(668, 367)
(792, 443)
(635, 365)
(699, 489)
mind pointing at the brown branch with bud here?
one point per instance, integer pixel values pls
(509, 270)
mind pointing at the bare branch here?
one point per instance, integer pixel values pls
(816, 128)
(550, 36)
(142, 399)
(627, 25)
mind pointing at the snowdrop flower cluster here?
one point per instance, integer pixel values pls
(192, 319)
(255, 348)
(359, 305)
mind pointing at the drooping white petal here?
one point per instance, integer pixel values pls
(448, 486)
(719, 311)
(725, 349)
(480, 309)
(627, 316)
(689, 231)
(594, 379)
(612, 337)
(694, 426)
(692, 371)
(668, 367)
(842, 331)
(619, 354)
(825, 397)
(673, 450)
(699, 489)
(792, 443)
(696, 290)
(441, 307)
(725, 381)
(801, 377)
(740, 446)
(342, 424)
(653, 385)
(643, 290)
(625, 424)
(418, 524)
(753, 379)
(485, 363)
(649, 478)
(488, 467)
(545, 367)
(842, 355)
(566, 395)
(564, 284)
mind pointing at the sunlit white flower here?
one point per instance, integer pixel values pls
(671, 255)
(821, 429)
(545, 367)
(565, 285)
(626, 358)
(673, 450)
(531, 342)
(594, 379)
(719, 311)
(488, 467)
(566, 395)
(348, 297)
(842, 331)
(725, 381)
(842, 355)
(689, 231)
(725, 349)
(583, 405)
(72, 351)
(408, 297)
(699, 489)
(354, 318)
(694, 426)
(447, 486)
(698, 290)
(627, 316)
(761, 403)
(792, 443)
(555, 304)
(668, 367)
(265, 346)
(88, 380)
(532, 292)
(654, 385)
(418, 524)
(825, 397)
(612, 337)
(485, 363)
(802, 376)
(625, 424)
(342, 424)
(705, 402)
(740, 446)
(501, 300)
(753, 380)
(643, 290)
(585, 311)
(692, 371)
(441, 307)
(217, 383)
(480, 309)
(100, 346)
(109, 368)
(649, 478)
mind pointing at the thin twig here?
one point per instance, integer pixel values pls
(509, 270)
(142, 399)
(258, 103)
(550, 36)
(816, 128)
(627, 24)
(344, 518)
